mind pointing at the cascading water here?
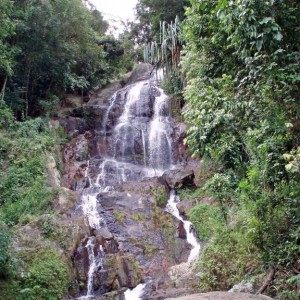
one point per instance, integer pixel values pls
(139, 143)
(191, 238)
(135, 294)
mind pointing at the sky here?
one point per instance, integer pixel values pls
(123, 9)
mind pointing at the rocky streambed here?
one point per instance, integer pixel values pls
(112, 234)
(121, 163)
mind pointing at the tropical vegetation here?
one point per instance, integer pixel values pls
(232, 66)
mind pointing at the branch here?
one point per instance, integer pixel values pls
(267, 281)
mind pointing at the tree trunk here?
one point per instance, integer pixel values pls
(3, 90)
(28, 68)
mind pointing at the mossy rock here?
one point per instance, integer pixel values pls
(121, 271)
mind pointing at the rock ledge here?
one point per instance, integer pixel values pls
(222, 296)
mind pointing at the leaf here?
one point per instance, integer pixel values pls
(278, 36)
(265, 20)
(259, 44)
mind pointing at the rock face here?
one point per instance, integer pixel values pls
(114, 163)
(141, 72)
(222, 296)
(75, 158)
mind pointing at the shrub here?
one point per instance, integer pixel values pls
(206, 219)
(5, 240)
(161, 197)
(224, 261)
(47, 277)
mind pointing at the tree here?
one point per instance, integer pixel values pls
(242, 73)
(151, 12)
(7, 27)
(58, 51)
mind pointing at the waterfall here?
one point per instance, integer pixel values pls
(190, 236)
(139, 145)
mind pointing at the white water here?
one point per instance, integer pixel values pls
(89, 207)
(105, 118)
(140, 146)
(191, 239)
(95, 263)
(136, 293)
(159, 139)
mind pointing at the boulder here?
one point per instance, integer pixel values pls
(179, 178)
(180, 231)
(118, 271)
(183, 275)
(185, 206)
(222, 296)
(105, 233)
(244, 287)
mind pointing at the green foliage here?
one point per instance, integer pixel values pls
(151, 13)
(190, 194)
(47, 228)
(6, 116)
(160, 195)
(224, 261)
(120, 216)
(5, 240)
(220, 187)
(7, 29)
(242, 109)
(206, 219)
(173, 85)
(46, 277)
(49, 48)
(22, 159)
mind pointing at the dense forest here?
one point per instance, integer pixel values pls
(235, 82)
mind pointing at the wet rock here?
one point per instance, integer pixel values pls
(74, 157)
(179, 178)
(112, 246)
(181, 233)
(185, 206)
(141, 72)
(180, 151)
(196, 165)
(222, 296)
(74, 126)
(140, 238)
(81, 264)
(115, 295)
(101, 96)
(105, 233)
(117, 272)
